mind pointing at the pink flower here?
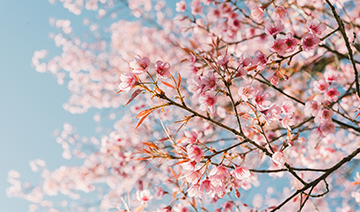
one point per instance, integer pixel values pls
(144, 196)
(241, 173)
(279, 12)
(196, 9)
(234, 23)
(356, 195)
(331, 75)
(196, 86)
(288, 107)
(208, 81)
(323, 116)
(272, 113)
(332, 94)
(291, 42)
(159, 192)
(127, 81)
(228, 206)
(181, 6)
(191, 137)
(261, 99)
(312, 107)
(140, 64)
(257, 13)
(220, 174)
(279, 46)
(287, 121)
(315, 27)
(309, 42)
(209, 188)
(260, 60)
(274, 29)
(223, 60)
(194, 153)
(279, 158)
(195, 191)
(162, 69)
(247, 93)
(321, 85)
(189, 165)
(193, 176)
(180, 208)
(208, 101)
(327, 128)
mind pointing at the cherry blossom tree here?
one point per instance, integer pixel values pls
(236, 105)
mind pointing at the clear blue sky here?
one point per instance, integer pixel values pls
(31, 102)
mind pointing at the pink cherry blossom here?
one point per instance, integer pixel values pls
(140, 65)
(287, 121)
(274, 79)
(228, 206)
(309, 42)
(274, 29)
(260, 60)
(194, 153)
(193, 176)
(144, 196)
(279, 46)
(331, 75)
(195, 191)
(191, 137)
(327, 128)
(247, 93)
(321, 85)
(279, 158)
(220, 174)
(288, 107)
(241, 173)
(181, 6)
(323, 116)
(208, 81)
(127, 81)
(291, 42)
(209, 188)
(279, 12)
(312, 108)
(261, 99)
(315, 27)
(257, 13)
(332, 94)
(162, 69)
(208, 101)
(196, 8)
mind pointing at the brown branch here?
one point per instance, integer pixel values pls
(346, 39)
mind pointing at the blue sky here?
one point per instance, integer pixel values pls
(31, 102)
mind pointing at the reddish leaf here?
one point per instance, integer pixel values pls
(133, 96)
(289, 134)
(180, 162)
(149, 144)
(204, 209)
(163, 139)
(193, 44)
(141, 120)
(138, 209)
(167, 84)
(144, 112)
(254, 128)
(179, 82)
(173, 172)
(180, 139)
(117, 92)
